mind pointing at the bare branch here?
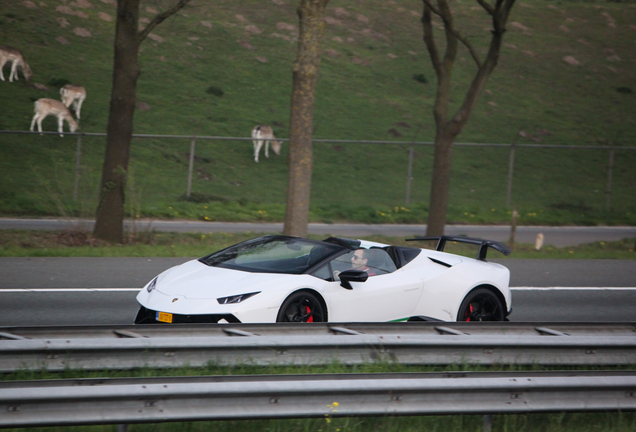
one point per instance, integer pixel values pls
(429, 40)
(449, 27)
(161, 18)
(486, 6)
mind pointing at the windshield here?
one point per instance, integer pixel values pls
(272, 254)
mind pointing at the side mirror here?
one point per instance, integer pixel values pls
(348, 276)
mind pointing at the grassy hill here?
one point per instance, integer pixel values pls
(566, 77)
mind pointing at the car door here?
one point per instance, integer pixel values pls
(385, 297)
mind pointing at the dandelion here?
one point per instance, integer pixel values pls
(169, 208)
(397, 209)
(571, 252)
(203, 236)
(492, 210)
(206, 218)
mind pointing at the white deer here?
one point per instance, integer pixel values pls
(8, 54)
(260, 134)
(73, 94)
(45, 107)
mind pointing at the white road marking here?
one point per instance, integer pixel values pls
(523, 288)
(22, 290)
(573, 288)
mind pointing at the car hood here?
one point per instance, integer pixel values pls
(195, 280)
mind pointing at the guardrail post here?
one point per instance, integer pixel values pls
(190, 167)
(78, 157)
(487, 424)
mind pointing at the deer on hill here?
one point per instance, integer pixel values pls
(8, 54)
(73, 94)
(260, 134)
(45, 107)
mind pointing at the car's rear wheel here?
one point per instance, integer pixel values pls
(481, 305)
(302, 306)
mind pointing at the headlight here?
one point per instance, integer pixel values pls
(152, 284)
(235, 298)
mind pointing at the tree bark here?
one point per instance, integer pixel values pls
(110, 209)
(447, 128)
(311, 14)
(109, 221)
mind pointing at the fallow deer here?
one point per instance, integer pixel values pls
(73, 94)
(8, 54)
(45, 107)
(260, 134)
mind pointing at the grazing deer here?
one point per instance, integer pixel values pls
(73, 94)
(8, 54)
(264, 133)
(45, 107)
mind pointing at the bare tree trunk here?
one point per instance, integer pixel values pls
(448, 128)
(440, 184)
(110, 209)
(109, 221)
(311, 14)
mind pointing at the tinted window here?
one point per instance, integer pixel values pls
(272, 254)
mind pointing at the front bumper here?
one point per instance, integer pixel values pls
(149, 316)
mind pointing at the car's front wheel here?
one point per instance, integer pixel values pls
(481, 305)
(302, 306)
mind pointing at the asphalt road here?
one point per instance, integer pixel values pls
(577, 296)
(555, 236)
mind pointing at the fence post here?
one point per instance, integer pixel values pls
(409, 174)
(78, 157)
(513, 228)
(511, 168)
(608, 187)
(191, 167)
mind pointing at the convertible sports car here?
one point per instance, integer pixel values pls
(290, 279)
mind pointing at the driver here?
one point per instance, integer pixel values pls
(359, 261)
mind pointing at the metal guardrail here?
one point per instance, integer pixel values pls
(125, 347)
(106, 401)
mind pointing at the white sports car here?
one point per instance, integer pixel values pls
(278, 278)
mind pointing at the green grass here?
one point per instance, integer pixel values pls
(78, 243)
(366, 91)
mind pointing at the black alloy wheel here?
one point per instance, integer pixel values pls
(302, 306)
(481, 305)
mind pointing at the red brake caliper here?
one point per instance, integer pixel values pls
(471, 311)
(308, 312)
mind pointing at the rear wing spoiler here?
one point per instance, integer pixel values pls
(483, 244)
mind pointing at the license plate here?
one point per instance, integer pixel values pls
(164, 317)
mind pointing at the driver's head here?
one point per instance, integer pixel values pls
(359, 259)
